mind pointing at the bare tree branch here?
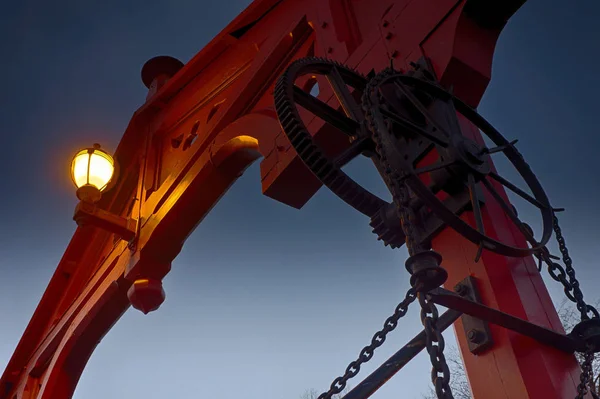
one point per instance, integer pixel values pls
(314, 394)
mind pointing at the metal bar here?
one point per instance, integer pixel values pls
(343, 95)
(517, 191)
(355, 149)
(325, 112)
(541, 334)
(377, 378)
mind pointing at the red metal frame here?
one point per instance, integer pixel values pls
(220, 106)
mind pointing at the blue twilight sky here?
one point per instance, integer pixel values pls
(264, 301)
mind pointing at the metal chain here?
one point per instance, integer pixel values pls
(440, 373)
(573, 292)
(366, 353)
(577, 295)
(586, 374)
(566, 275)
(400, 192)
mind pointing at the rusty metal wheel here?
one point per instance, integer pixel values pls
(399, 108)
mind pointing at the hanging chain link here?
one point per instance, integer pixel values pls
(574, 293)
(586, 377)
(566, 276)
(366, 353)
(440, 372)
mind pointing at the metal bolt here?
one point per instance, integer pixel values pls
(324, 25)
(329, 50)
(389, 35)
(461, 289)
(395, 54)
(386, 24)
(475, 336)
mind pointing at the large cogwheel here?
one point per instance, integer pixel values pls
(402, 110)
(288, 96)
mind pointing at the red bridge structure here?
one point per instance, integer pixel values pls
(398, 81)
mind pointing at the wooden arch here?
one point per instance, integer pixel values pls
(199, 129)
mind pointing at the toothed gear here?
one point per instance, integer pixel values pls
(324, 169)
(309, 152)
(391, 236)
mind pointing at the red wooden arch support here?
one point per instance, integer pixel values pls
(203, 124)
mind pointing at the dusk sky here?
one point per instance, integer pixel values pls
(265, 301)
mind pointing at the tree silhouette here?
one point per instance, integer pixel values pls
(314, 394)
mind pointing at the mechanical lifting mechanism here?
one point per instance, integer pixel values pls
(397, 119)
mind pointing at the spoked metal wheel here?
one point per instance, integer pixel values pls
(403, 109)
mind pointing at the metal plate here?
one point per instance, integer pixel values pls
(476, 330)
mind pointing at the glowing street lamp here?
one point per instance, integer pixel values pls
(93, 172)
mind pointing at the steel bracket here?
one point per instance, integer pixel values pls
(92, 215)
(477, 331)
(546, 336)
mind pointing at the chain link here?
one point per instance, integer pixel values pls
(557, 272)
(367, 352)
(400, 192)
(566, 276)
(440, 372)
(586, 375)
(574, 293)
